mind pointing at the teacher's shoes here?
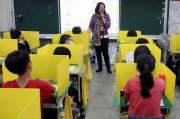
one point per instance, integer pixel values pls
(99, 70)
(109, 71)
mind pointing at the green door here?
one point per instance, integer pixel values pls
(38, 15)
(144, 15)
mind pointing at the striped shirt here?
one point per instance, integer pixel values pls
(105, 27)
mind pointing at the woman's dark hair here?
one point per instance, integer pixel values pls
(142, 41)
(62, 51)
(142, 49)
(15, 34)
(145, 65)
(98, 6)
(17, 62)
(63, 38)
(132, 33)
(76, 30)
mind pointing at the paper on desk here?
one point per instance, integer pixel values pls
(72, 68)
(161, 103)
(130, 57)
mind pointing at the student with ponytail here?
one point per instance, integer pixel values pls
(143, 91)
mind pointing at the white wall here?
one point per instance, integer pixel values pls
(7, 20)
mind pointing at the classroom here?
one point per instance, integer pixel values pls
(89, 59)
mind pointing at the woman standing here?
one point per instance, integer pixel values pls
(99, 25)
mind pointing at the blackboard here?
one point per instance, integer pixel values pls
(40, 15)
(144, 15)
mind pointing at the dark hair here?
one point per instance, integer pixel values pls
(62, 51)
(145, 65)
(15, 34)
(63, 38)
(17, 62)
(142, 49)
(76, 30)
(132, 33)
(98, 6)
(142, 41)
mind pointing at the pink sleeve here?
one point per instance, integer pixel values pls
(127, 87)
(127, 90)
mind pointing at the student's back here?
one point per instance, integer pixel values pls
(147, 107)
(18, 62)
(143, 91)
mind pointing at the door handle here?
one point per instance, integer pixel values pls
(19, 17)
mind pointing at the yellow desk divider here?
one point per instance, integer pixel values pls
(32, 38)
(19, 103)
(123, 33)
(46, 67)
(123, 48)
(7, 46)
(76, 52)
(132, 40)
(126, 71)
(69, 32)
(56, 38)
(82, 39)
(77, 39)
(175, 43)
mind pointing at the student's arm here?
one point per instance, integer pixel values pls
(25, 42)
(127, 91)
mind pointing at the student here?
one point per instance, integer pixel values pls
(142, 49)
(15, 34)
(144, 92)
(18, 62)
(132, 33)
(142, 41)
(76, 30)
(65, 39)
(72, 91)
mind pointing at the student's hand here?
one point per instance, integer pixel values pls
(22, 37)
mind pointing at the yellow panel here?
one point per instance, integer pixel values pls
(6, 35)
(32, 38)
(76, 52)
(46, 67)
(19, 103)
(175, 43)
(77, 39)
(7, 46)
(123, 33)
(123, 48)
(81, 39)
(56, 38)
(63, 75)
(126, 71)
(85, 90)
(150, 40)
(170, 83)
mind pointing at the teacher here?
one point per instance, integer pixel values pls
(99, 25)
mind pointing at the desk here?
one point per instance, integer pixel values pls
(124, 108)
(174, 53)
(78, 73)
(57, 103)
